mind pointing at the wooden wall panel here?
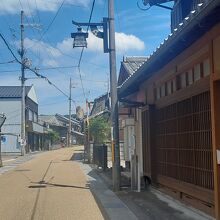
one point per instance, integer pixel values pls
(183, 141)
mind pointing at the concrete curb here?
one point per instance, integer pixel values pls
(109, 203)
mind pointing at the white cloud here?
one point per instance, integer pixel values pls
(53, 56)
(66, 45)
(41, 47)
(14, 6)
(124, 43)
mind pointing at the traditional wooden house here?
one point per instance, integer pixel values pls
(179, 86)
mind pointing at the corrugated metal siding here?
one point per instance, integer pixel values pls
(12, 110)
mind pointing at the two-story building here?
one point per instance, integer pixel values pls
(179, 86)
(10, 105)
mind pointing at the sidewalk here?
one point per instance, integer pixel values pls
(10, 162)
(150, 204)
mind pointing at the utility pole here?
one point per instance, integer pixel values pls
(116, 171)
(23, 137)
(70, 99)
(80, 41)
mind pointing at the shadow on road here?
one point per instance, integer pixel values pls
(77, 156)
(45, 184)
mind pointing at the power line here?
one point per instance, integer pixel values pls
(90, 18)
(46, 68)
(81, 54)
(81, 83)
(51, 23)
(7, 62)
(34, 71)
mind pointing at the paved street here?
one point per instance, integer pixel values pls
(50, 186)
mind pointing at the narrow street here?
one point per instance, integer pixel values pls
(50, 186)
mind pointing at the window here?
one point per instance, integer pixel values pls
(35, 117)
(169, 87)
(206, 67)
(158, 93)
(183, 80)
(197, 72)
(190, 77)
(30, 115)
(163, 90)
(174, 84)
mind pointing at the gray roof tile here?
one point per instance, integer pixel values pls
(12, 91)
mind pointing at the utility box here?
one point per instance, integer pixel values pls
(129, 138)
(100, 156)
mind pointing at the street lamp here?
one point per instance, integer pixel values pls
(2, 121)
(108, 36)
(79, 38)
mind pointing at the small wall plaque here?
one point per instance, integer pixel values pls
(218, 157)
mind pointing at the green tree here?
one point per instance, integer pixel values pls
(100, 130)
(54, 136)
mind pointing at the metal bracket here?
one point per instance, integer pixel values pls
(94, 29)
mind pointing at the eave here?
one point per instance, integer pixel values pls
(189, 31)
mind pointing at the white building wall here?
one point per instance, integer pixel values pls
(12, 109)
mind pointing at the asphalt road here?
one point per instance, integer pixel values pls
(49, 187)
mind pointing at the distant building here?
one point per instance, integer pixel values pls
(10, 105)
(60, 123)
(101, 106)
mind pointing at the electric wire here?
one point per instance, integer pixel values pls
(51, 23)
(32, 70)
(7, 62)
(81, 54)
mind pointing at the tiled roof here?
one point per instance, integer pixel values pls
(132, 64)
(12, 91)
(172, 38)
(50, 119)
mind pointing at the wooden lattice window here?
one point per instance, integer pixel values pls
(183, 141)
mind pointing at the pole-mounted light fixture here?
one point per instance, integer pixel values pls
(79, 38)
(108, 35)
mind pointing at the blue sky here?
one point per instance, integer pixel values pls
(138, 33)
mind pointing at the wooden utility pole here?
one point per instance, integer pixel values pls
(116, 171)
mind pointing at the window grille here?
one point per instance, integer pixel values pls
(183, 141)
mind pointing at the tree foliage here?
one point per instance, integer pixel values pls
(100, 130)
(54, 136)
